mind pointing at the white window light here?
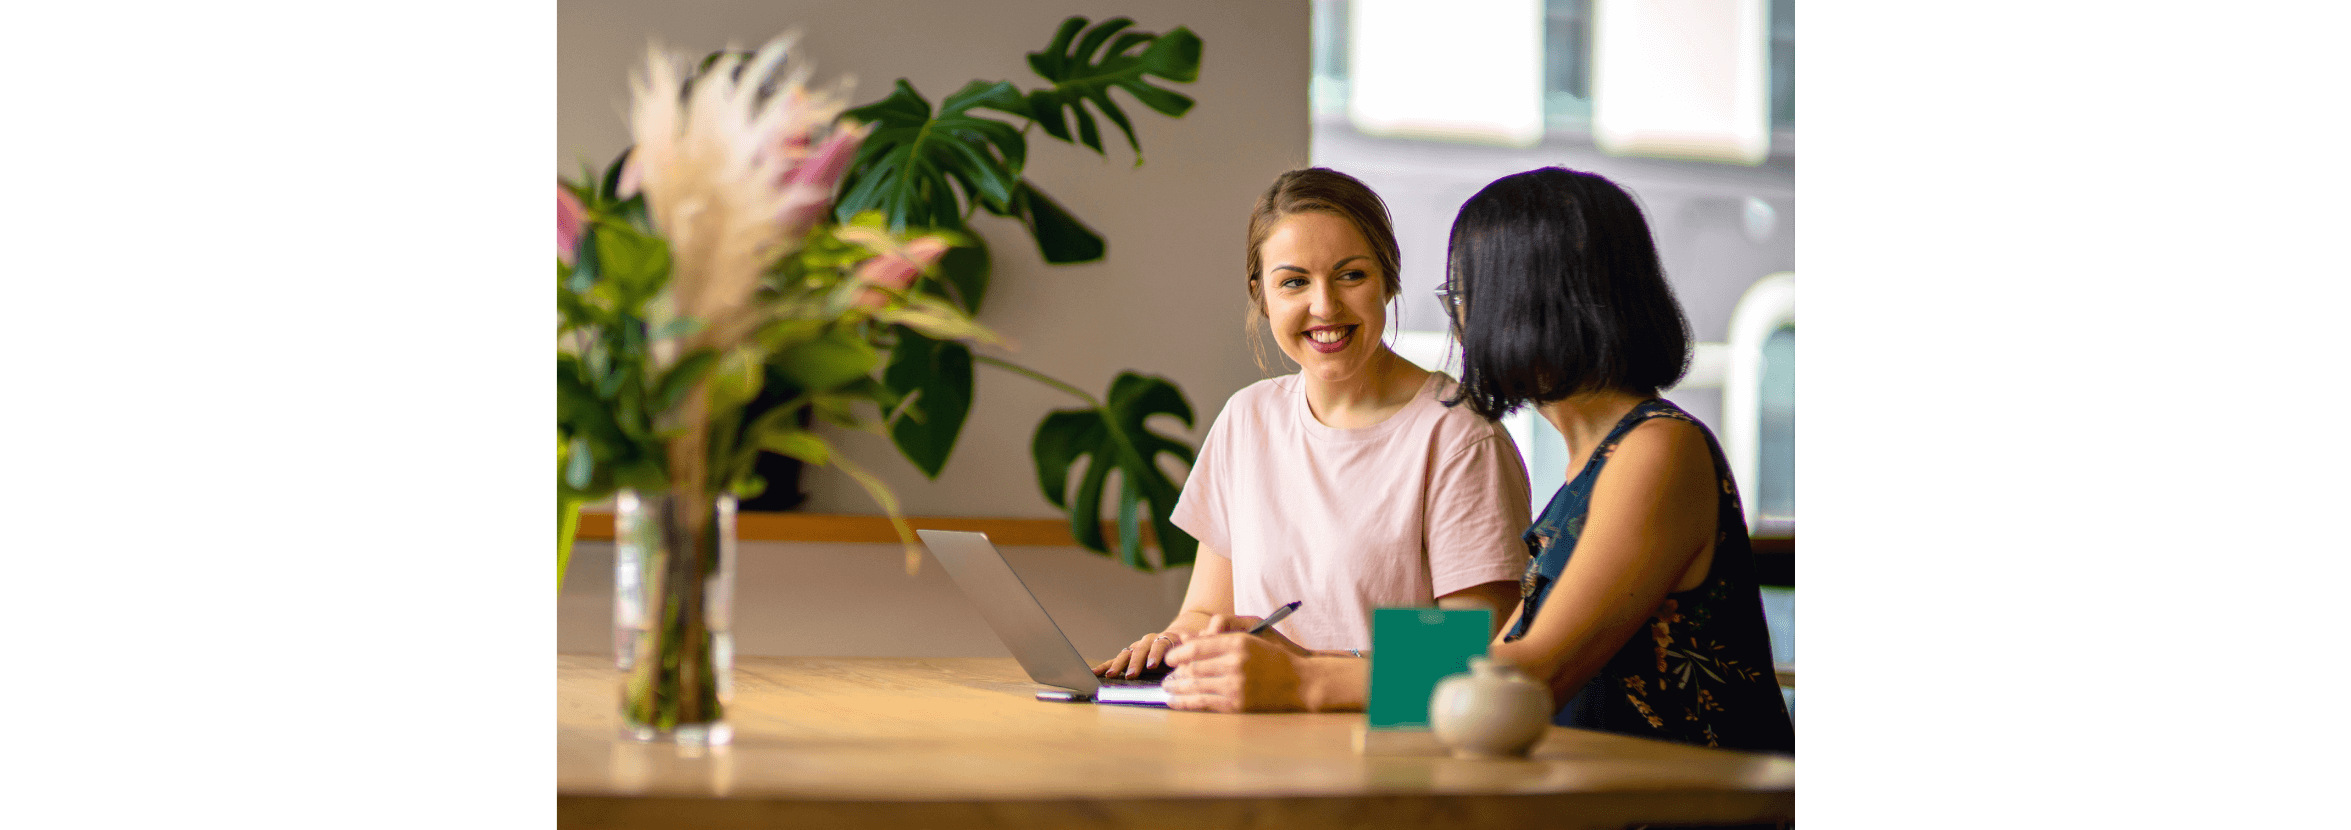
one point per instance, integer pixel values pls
(1682, 79)
(1470, 70)
(1437, 351)
(1768, 305)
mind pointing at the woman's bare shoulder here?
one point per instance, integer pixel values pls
(1658, 445)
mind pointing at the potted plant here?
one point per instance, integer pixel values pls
(934, 167)
(707, 299)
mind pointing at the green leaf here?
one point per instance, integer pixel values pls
(940, 372)
(1049, 62)
(598, 441)
(586, 270)
(841, 410)
(973, 170)
(784, 334)
(1083, 72)
(1093, 441)
(1061, 238)
(1061, 439)
(871, 389)
(681, 378)
(1175, 57)
(635, 264)
(965, 270)
(567, 522)
(915, 162)
(868, 178)
(797, 443)
(567, 371)
(580, 469)
(828, 362)
(903, 106)
(936, 319)
(1045, 108)
(736, 380)
(1130, 532)
(1000, 96)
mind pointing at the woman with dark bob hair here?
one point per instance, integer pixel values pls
(1348, 485)
(1639, 602)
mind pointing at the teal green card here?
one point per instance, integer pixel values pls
(1412, 649)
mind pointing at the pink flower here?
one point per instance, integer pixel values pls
(825, 166)
(629, 178)
(571, 222)
(808, 185)
(897, 272)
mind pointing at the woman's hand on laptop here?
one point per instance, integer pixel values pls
(1150, 652)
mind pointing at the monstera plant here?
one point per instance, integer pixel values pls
(926, 166)
(934, 168)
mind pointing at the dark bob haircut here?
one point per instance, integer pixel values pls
(1560, 293)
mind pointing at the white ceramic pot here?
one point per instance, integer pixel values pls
(1492, 711)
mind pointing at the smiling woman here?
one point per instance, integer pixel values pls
(1327, 306)
(1639, 604)
(1346, 486)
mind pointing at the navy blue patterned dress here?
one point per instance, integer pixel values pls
(1700, 671)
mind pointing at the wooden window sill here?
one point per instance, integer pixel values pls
(596, 526)
(1775, 555)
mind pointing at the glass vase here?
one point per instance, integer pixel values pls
(673, 615)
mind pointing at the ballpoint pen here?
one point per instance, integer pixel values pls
(1261, 627)
(1277, 616)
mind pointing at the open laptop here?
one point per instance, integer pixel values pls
(1021, 622)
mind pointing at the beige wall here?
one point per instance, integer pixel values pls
(1167, 300)
(835, 600)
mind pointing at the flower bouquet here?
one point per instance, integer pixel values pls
(709, 305)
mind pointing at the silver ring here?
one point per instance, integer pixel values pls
(1127, 649)
(1163, 637)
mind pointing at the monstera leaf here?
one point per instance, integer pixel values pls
(1081, 76)
(1109, 437)
(1061, 238)
(938, 375)
(926, 167)
(930, 169)
(906, 164)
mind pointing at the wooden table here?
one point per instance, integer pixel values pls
(961, 742)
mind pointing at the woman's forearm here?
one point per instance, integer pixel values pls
(1190, 621)
(1334, 684)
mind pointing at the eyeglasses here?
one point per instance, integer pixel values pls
(1451, 299)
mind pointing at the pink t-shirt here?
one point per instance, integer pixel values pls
(1426, 503)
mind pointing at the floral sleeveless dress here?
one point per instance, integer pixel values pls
(1700, 672)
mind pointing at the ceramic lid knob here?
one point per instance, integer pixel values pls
(1491, 711)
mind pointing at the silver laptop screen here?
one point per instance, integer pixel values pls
(1008, 606)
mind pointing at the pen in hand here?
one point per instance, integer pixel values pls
(1277, 616)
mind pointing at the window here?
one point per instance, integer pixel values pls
(1759, 403)
(1328, 91)
(1775, 462)
(1783, 64)
(1567, 64)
